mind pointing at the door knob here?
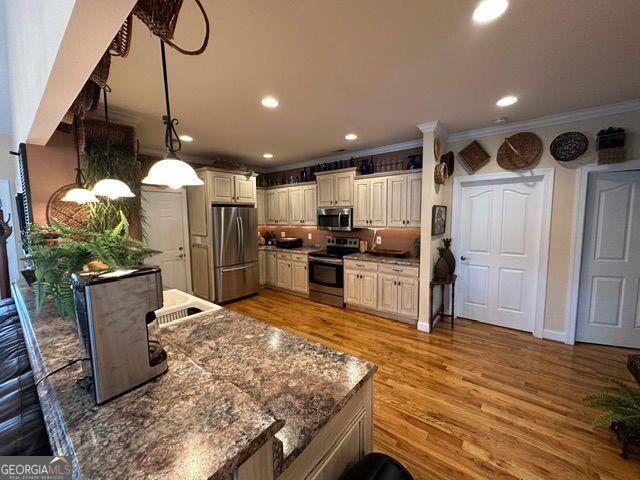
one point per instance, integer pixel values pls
(181, 255)
(463, 258)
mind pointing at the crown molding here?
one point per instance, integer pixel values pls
(547, 121)
(435, 127)
(342, 156)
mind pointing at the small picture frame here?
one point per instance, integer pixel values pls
(438, 219)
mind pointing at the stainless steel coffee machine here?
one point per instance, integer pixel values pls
(118, 328)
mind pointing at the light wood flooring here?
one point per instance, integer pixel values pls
(481, 402)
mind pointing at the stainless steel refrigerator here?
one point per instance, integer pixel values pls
(235, 252)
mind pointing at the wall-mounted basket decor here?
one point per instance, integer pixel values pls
(448, 159)
(519, 151)
(610, 146)
(440, 173)
(474, 156)
(569, 146)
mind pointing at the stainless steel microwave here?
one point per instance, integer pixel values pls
(335, 219)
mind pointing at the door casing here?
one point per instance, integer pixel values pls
(546, 177)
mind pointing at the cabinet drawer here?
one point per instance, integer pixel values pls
(360, 265)
(399, 270)
(299, 257)
(284, 255)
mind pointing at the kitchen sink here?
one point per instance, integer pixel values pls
(178, 305)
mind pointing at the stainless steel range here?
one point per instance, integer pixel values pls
(326, 270)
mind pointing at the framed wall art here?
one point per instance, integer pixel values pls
(438, 219)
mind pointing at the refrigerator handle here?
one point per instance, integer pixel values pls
(241, 240)
(238, 240)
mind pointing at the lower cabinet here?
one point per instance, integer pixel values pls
(284, 273)
(387, 288)
(271, 268)
(299, 277)
(262, 273)
(285, 270)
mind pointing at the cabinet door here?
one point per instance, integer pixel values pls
(284, 274)
(309, 202)
(221, 187)
(283, 207)
(368, 289)
(378, 202)
(197, 209)
(397, 201)
(414, 199)
(324, 184)
(352, 287)
(262, 274)
(387, 293)
(245, 189)
(295, 205)
(200, 271)
(343, 189)
(271, 267)
(408, 296)
(261, 206)
(299, 278)
(361, 203)
(272, 207)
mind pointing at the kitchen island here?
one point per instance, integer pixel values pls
(240, 400)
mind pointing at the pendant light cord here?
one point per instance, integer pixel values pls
(80, 180)
(106, 89)
(170, 136)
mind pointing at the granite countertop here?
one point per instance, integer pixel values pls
(290, 250)
(233, 382)
(367, 257)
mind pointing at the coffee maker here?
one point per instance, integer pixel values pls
(118, 329)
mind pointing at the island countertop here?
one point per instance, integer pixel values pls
(233, 383)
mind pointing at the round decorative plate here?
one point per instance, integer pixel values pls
(569, 146)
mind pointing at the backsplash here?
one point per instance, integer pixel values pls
(392, 238)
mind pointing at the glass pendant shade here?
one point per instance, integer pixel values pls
(79, 195)
(172, 172)
(112, 188)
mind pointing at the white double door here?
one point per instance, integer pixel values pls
(609, 298)
(498, 251)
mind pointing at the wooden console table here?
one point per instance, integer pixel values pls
(440, 313)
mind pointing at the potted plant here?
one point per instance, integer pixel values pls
(77, 249)
(621, 405)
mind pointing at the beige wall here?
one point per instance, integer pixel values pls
(563, 196)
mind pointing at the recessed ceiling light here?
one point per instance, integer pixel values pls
(267, 155)
(186, 138)
(270, 102)
(350, 136)
(506, 101)
(488, 10)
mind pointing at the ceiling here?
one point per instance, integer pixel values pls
(377, 68)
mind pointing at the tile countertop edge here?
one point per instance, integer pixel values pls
(60, 439)
(368, 257)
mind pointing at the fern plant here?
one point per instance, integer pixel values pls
(620, 402)
(54, 257)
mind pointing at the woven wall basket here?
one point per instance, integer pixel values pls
(518, 151)
(70, 214)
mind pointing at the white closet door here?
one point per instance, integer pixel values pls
(499, 252)
(609, 298)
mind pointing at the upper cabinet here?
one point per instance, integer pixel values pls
(335, 189)
(261, 206)
(370, 202)
(277, 206)
(404, 194)
(226, 187)
(302, 205)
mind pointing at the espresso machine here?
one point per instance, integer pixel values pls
(118, 328)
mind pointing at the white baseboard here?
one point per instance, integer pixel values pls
(554, 335)
(423, 326)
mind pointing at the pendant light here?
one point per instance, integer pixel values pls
(170, 171)
(110, 187)
(79, 194)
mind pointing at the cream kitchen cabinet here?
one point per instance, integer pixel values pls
(271, 268)
(404, 194)
(227, 187)
(360, 284)
(302, 205)
(262, 273)
(370, 202)
(299, 276)
(261, 206)
(398, 290)
(284, 273)
(277, 202)
(335, 189)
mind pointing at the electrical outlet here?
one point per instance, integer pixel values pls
(309, 236)
(283, 234)
(378, 240)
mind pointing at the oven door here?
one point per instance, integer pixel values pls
(327, 273)
(336, 219)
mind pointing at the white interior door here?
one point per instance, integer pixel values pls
(609, 298)
(167, 232)
(499, 251)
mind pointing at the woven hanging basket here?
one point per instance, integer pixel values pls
(122, 41)
(441, 173)
(70, 214)
(519, 151)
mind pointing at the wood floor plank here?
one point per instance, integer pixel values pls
(480, 402)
